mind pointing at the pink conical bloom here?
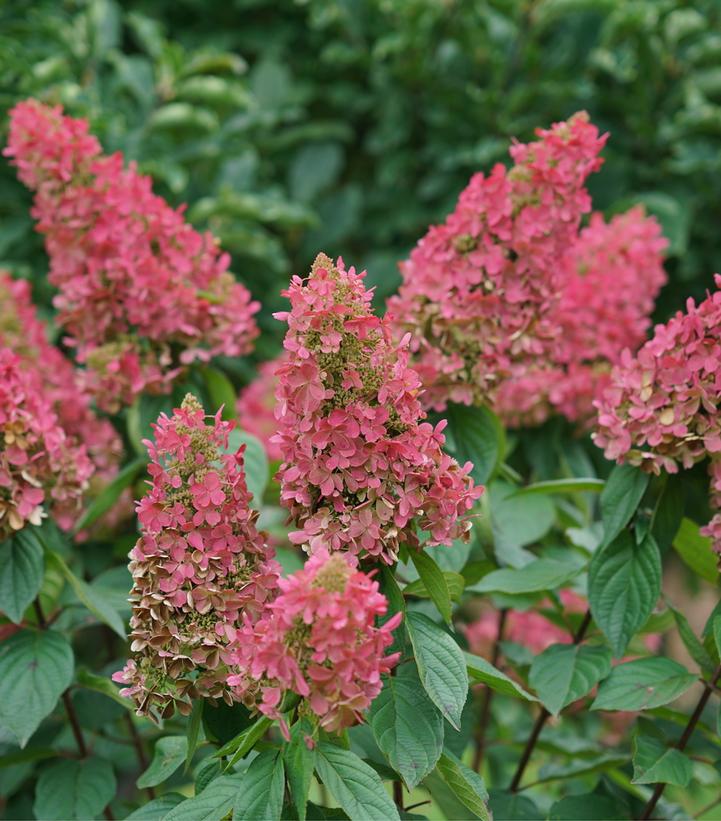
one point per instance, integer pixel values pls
(612, 274)
(141, 293)
(41, 468)
(361, 468)
(661, 410)
(256, 407)
(199, 566)
(479, 292)
(26, 335)
(317, 639)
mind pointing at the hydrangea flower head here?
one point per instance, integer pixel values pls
(40, 467)
(661, 409)
(141, 293)
(199, 566)
(361, 466)
(317, 639)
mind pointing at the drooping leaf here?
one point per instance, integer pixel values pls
(643, 684)
(695, 550)
(620, 498)
(434, 582)
(538, 575)
(74, 789)
(36, 667)
(478, 437)
(354, 785)
(169, 754)
(624, 583)
(21, 573)
(563, 673)
(466, 784)
(407, 726)
(692, 643)
(260, 794)
(441, 666)
(483, 672)
(94, 602)
(655, 762)
(299, 766)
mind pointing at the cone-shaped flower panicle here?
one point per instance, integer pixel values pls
(199, 566)
(317, 639)
(361, 468)
(478, 291)
(26, 335)
(661, 410)
(613, 272)
(141, 293)
(41, 468)
(256, 407)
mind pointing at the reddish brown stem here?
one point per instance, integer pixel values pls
(487, 696)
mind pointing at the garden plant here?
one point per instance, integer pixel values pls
(281, 538)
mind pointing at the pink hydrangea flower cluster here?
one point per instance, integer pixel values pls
(613, 273)
(256, 407)
(40, 467)
(26, 335)
(199, 566)
(317, 639)
(508, 305)
(361, 469)
(661, 410)
(141, 293)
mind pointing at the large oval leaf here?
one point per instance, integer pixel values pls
(74, 789)
(643, 684)
(564, 673)
(21, 573)
(478, 437)
(261, 791)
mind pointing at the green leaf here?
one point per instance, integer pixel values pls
(564, 673)
(299, 765)
(716, 629)
(194, 727)
(255, 462)
(483, 672)
(507, 805)
(695, 550)
(36, 667)
(157, 809)
(142, 414)
(466, 785)
(478, 437)
(21, 573)
(441, 666)
(656, 763)
(624, 583)
(102, 684)
(93, 600)
(169, 754)
(220, 390)
(538, 575)
(354, 785)
(587, 807)
(517, 521)
(244, 742)
(213, 804)
(620, 498)
(407, 726)
(261, 791)
(643, 684)
(110, 494)
(692, 643)
(454, 581)
(562, 486)
(74, 789)
(434, 582)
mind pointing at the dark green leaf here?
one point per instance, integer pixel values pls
(454, 581)
(482, 671)
(21, 573)
(36, 667)
(102, 684)
(110, 494)
(244, 742)
(213, 804)
(157, 809)
(620, 498)
(478, 437)
(434, 582)
(587, 807)
(643, 684)
(507, 806)
(562, 486)
(538, 575)
(74, 789)
(169, 754)
(220, 390)
(407, 725)
(354, 785)
(260, 794)
(696, 552)
(655, 762)
(299, 766)
(466, 785)
(194, 728)
(624, 583)
(694, 646)
(564, 673)
(441, 666)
